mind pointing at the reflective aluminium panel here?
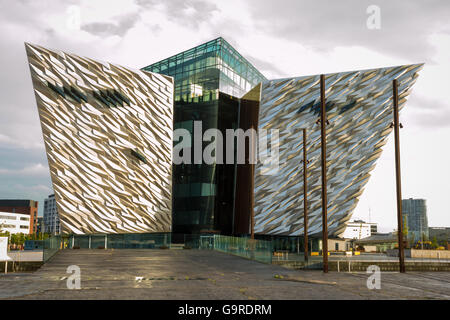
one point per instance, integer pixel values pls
(108, 136)
(359, 109)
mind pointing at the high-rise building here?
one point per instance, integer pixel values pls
(28, 207)
(40, 225)
(415, 211)
(51, 218)
(109, 134)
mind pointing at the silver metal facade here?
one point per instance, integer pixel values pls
(108, 136)
(359, 111)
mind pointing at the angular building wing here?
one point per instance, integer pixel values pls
(359, 110)
(108, 136)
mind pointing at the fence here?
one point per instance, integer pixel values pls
(197, 241)
(50, 247)
(120, 241)
(104, 241)
(258, 250)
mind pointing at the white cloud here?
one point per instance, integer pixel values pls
(34, 170)
(5, 139)
(31, 139)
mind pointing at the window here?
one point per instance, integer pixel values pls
(139, 156)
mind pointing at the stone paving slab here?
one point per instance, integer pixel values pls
(204, 275)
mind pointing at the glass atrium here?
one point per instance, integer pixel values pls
(209, 80)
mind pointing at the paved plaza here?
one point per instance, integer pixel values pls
(202, 274)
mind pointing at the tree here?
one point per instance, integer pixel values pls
(405, 234)
(412, 240)
(4, 234)
(21, 239)
(13, 238)
(434, 243)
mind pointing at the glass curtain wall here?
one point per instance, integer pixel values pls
(208, 80)
(237, 75)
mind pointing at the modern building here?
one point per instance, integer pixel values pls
(27, 207)
(14, 222)
(209, 81)
(51, 217)
(361, 124)
(108, 133)
(358, 229)
(415, 211)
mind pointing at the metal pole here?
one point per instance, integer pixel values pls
(252, 183)
(235, 175)
(401, 253)
(305, 198)
(323, 144)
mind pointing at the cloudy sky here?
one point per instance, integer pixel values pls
(281, 38)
